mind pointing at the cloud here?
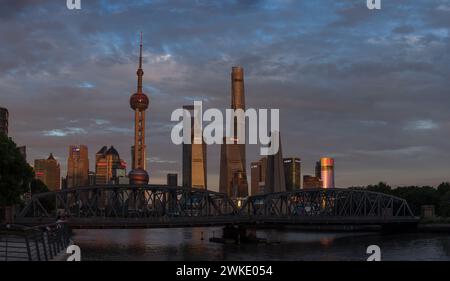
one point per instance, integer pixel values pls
(345, 78)
(64, 132)
(421, 125)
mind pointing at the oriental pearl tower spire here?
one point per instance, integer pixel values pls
(139, 103)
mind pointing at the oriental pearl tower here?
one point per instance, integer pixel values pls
(139, 103)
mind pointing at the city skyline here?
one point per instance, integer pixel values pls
(329, 103)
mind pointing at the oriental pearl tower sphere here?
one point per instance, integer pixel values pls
(139, 103)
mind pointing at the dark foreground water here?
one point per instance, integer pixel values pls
(187, 244)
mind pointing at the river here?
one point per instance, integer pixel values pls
(181, 244)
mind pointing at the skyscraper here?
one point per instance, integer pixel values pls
(275, 179)
(4, 120)
(78, 166)
(233, 176)
(172, 180)
(49, 172)
(318, 170)
(327, 172)
(258, 174)
(139, 103)
(194, 158)
(91, 177)
(107, 166)
(292, 173)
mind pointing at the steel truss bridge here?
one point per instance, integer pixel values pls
(159, 206)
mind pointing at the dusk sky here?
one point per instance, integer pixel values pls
(370, 88)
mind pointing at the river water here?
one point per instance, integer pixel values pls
(181, 244)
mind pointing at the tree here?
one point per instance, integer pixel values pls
(15, 173)
(37, 186)
(380, 187)
(443, 188)
(444, 205)
(417, 196)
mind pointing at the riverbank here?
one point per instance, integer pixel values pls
(434, 227)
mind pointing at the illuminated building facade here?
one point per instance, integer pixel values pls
(194, 157)
(327, 172)
(49, 172)
(78, 166)
(311, 182)
(139, 103)
(233, 176)
(292, 173)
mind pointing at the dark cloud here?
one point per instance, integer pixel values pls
(367, 87)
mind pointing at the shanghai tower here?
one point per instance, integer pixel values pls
(139, 103)
(233, 176)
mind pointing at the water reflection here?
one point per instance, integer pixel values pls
(187, 244)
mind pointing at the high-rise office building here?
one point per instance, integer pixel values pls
(139, 103)
(78, 166)
(63, 183)
(311, 182)
(194, 156)
(327, 172)
(91, 176)
(258, 175)
(49, 172)
(108, 166)
(318, 170)
(233, 175)
(275, 178)
(4, 128)
(4, 115)
(292, 173)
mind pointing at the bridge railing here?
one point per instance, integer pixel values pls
(19, 243)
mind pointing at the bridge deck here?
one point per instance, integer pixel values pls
(96, 223)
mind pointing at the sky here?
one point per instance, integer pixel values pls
(370, 88)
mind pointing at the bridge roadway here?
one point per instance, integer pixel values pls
(157, 206)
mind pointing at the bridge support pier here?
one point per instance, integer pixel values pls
(240, 233)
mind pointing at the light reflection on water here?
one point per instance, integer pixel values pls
(187, 244)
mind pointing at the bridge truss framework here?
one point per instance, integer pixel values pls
(163, 206)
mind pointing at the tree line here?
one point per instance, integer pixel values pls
(16, 175)
(417, 196)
